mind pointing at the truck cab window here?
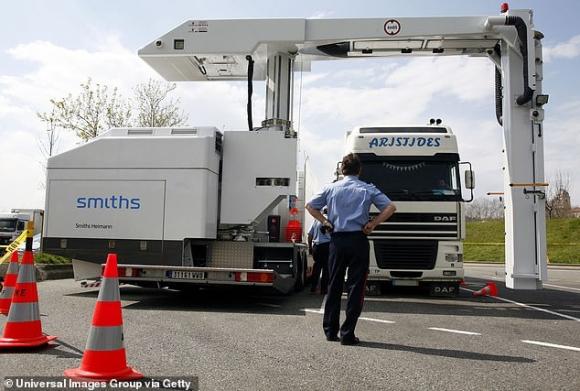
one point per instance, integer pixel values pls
(418, 180)
(7, 225)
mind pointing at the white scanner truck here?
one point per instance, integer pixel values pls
(418, 168)
(180, 207)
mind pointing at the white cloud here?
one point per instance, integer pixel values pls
(321, 14)
(399, 94)
(58, 71)
(562, 144)
(568, 49)
(402, 93)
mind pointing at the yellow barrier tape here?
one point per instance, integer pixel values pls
(14, 246)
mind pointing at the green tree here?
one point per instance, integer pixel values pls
(94, 110)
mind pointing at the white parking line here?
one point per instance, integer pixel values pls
(377, 320)
(551, 345)
(313, 311)
(531, 307)
(562, 287)
(321, 311)
(454, 331)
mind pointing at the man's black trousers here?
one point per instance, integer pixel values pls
(320, 255)
(348, 250)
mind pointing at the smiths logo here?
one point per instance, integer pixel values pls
(445, 219)
(112, 202)
(392, 27)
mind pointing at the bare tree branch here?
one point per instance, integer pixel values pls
(558, 196)
(153, 108)
(485, 209)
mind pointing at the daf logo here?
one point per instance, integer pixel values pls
(444, 289)
(445, 218)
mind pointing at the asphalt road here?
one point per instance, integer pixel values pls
(247, 341)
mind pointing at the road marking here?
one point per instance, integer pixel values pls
(320, 312)
(550, 285)
(454, 331)
(575, 311)
(551, 345)
(562, 287)
(531, 307)
(270, 305)
(313, 311)
(377, 320)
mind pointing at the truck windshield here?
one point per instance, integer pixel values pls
(414, 180)
(7, 225)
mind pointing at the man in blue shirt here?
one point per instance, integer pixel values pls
(348, 201)
(318, 244)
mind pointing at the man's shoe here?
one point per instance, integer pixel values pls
(349, 341)
(332, 338)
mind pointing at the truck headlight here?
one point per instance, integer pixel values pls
(454, 257)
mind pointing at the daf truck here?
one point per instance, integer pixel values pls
(418, 167)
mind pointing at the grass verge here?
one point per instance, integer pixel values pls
(50, 259)
(485, 239)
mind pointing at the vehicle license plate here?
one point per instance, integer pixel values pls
(186, 275)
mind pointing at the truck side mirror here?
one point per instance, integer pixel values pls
(469, 179)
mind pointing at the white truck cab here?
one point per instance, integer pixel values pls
(417, 166)
(11, 225)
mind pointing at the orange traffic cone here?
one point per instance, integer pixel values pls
(23, 328)
(104, 357)
(490, 289)
(9, 284)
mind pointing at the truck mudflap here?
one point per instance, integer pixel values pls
(162, 276)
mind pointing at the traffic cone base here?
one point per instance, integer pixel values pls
(25, 343)
(23, 329)
(490, 289)
(127, 373)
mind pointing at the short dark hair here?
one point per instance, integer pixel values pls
(350, 165)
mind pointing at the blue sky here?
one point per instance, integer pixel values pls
(48, 47)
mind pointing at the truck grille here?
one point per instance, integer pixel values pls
(405, 254)
(418, 226)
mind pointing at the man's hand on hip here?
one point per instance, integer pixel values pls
(368, 228)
